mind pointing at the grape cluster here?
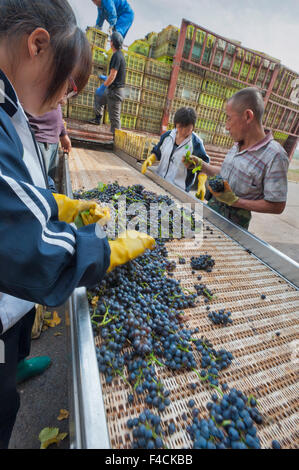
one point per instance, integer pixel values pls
(221, 317)
(203, 262)
(147, 431)
(202, 289)
(212, 361)
(217, 184)
(230, 424)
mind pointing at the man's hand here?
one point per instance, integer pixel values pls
(227, 196)
(128, 246)
(101, 90)
(66, 143)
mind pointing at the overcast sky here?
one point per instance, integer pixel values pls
(270, 26)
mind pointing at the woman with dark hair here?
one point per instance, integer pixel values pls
(179, 152)
(44, 58)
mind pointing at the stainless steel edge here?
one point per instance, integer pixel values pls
(284, 266)
(88, 425)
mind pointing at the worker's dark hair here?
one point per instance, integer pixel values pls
(185, 117)
(117, 40)
(249, 98)
(71, 50)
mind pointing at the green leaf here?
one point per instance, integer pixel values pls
(101, 187)
(48, 436)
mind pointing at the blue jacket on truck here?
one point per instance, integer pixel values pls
(118, 13)
(42, 260)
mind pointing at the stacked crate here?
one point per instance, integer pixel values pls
(165, 46)
(153, 96)
(137, 145)
(82, 106)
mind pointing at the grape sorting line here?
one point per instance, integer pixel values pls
(265, 362)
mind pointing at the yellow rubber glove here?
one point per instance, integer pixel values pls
(201, 188)
(128, 246)
(98, 214)
(148, 162)
(227, 196)
(70, 209)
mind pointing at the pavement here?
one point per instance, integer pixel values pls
(281, 231)
(44, 396)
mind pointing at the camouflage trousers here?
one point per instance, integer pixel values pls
(240, 217)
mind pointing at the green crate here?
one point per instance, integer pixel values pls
(165, 49)
(155, 84)
(64, 109)
(158, 69)
(146, 125)
(165, 59)
(211, 101)
(206, 125)
(154, 114)
(132, 93)
(134, 61)
(85, 98)
(153, 99)
(100, 56)
(82, 113)
(140, 47)
(185, 93)
(190, 80)
(96, 37)
(169, 34)
(130, 107)
(92, 84)
(134, 78)
(180, 103)
(128, 121)
(215, 88)
(97, 70)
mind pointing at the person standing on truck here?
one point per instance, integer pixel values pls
(255, 169)
(43, 256)
(118, 13)
(111, 92)
(49, 129)
(179, 152)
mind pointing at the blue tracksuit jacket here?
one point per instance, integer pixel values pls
(118, 13)
(42, 260)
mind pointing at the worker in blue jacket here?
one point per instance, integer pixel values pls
(180, 153)
(43, 256)
(118, 13)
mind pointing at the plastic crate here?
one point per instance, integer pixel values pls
(130, 107)
(148, 126)
(82, 113)
(99, 56)
(211, 101)
(128, 121)
(92, 84)
(96, 37)
(190, 80)
(134, 61)
(206, 125)
(158, 69)
(165, 49)
(180, 103)
(155, 84)
(134, 78)
(223, 141)
(169, 34)
(185, 93)
(280, 137)
(132, 93)
(97, 70)
(154, 114)
(153, 99)
(140, 47)
(214, 88)
(165, 59)
(64, 109)
(212, 114)
(85, 98)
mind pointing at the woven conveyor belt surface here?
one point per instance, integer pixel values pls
(265, 365)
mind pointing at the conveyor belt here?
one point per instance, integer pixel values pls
(265, 365)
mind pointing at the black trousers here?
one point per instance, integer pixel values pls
(16, 343)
